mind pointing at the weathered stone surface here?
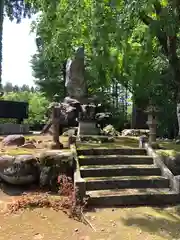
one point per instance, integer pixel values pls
(87, 128)
(56, 145)
(109, 130)
(88, 112)
(177, 141)
(6, 161)
(73, 102)
(29, 145)
(173, 163)
(142, 140)
(103, 118)
(97, 139)
(53, 157)
(52, 164)
(134, 132)
(70, 132)
(17, 140)
(24, 169)
(28, 159)
(75, 83)
(67, 117)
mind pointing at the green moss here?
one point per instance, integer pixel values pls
(15, 152)
(119, 142)
(169, 152)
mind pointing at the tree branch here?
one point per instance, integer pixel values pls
(161, 35)
(157, 7)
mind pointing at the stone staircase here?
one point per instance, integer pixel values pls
(117, 177)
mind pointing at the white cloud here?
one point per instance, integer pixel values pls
(18, 47)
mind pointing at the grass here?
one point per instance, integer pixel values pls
(42, 142)
(120, 142)
(171, 148)
(18, 151)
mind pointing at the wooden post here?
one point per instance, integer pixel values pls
(55, 125)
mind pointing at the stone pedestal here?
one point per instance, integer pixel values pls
(152, 132)
(87, 128)
(152, 122)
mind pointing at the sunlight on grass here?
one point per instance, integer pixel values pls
(171, 148)
(120, 142)
(17, 151)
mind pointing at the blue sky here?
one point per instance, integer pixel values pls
(18, 47)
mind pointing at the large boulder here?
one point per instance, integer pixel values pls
(103, 118)
(6, 161)
(54, 163)
(16, 140)
(135, 132)
(56, 157)
(70, 132)
(23, 169)
(109, 130)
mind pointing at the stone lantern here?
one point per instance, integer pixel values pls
(152, 122)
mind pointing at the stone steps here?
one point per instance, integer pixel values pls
(115, 159)
(113, 151)
(119, 170)
(126, 183)
(123, 177)
(132, 197)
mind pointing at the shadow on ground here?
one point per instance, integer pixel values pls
(162, 222)
(13, 190)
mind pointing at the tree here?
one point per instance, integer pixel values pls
(48, 75)
(165, 27)
(1, 31)
(133, 43)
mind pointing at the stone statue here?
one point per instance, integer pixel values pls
(75, 82)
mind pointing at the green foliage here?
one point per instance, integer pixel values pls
(37, 105)
(132, 43)
(9, 87)
(48, 75)
(18, 9)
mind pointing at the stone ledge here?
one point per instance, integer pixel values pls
(165, 171)
(79, 182)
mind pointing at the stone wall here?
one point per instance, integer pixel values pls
(11, 128)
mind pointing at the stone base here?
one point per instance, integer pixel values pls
(12, 128)
(87, 128)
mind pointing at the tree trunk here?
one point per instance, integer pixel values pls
(178, 117)
(1, 36)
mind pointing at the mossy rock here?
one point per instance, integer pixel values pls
(56, 157)
(171, 159)
(54, 163)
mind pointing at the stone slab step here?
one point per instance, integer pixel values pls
(115, 159)
(116, 151)
(127, 182)
(132, 197)
(120, 170)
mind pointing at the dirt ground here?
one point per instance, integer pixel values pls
(142, 223)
